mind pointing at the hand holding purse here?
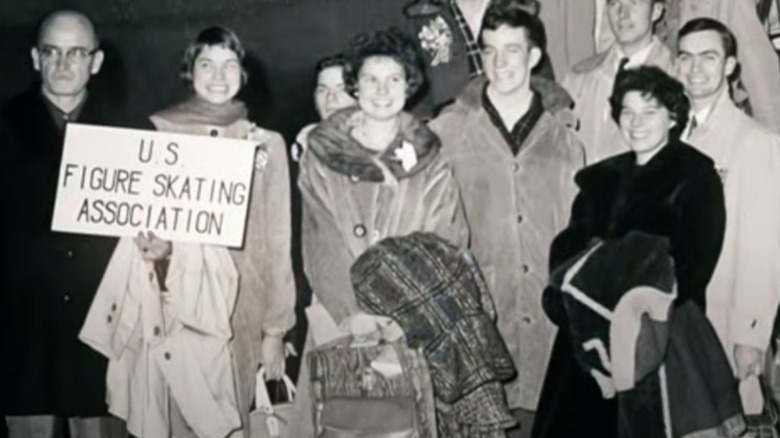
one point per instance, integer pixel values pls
(269, 420)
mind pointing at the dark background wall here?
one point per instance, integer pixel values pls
(144, 40)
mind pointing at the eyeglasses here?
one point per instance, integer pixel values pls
(72, 54)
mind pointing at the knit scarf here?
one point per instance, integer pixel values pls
(196, 111)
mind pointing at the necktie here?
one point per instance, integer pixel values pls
(622, 64)
(692, 126)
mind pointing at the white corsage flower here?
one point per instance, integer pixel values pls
(261, 158)
(436, 39)
(259, 136)
(406, 155)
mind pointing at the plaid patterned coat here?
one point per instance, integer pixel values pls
(440, 299)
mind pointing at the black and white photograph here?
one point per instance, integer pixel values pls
(390, 218)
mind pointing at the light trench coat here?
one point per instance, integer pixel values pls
(760, 69)
(744, 293)
(569, 28)
(590, 85)
(261, 302)
(515, 205)
(167, 345)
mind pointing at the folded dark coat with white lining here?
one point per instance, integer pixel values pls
(662, 361)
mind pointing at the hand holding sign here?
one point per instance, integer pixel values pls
(152, 247)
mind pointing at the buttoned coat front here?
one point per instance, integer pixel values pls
(350, 204)
(515, 205)
(266, 291)
(265, 295)
(352, 199)
(48, 278)
(168, 347)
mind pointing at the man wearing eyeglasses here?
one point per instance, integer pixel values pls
(49, 381)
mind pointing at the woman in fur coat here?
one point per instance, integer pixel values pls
(662, 187)
(371, 171)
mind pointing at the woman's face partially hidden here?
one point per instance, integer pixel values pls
(645, 124)
(216, 75)
(331, 94)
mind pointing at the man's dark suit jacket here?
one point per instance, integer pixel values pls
(47, 279)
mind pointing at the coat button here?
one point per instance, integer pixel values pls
(359, 230)
(70, 253)
(525, 269)
(519, 218)
(110, 319)
(66, 298)
(167, 356)
(156, 330)
(515, 166)
(526, 320)
(113, 307)
(214, 133)
(354, 178)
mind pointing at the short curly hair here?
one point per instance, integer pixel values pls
(212, 36)
(392, 43)
(652, 82)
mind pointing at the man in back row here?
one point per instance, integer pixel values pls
(744, 293)
(515, 165)
(590, 82)
(50, 380)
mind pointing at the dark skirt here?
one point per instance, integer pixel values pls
(571, 403)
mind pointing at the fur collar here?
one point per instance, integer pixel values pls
(332, 142)
(675, 159)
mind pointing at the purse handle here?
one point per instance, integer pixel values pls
(263, 399)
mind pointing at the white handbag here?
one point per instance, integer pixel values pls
(269, 420)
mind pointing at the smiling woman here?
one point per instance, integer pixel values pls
(662, 187)
(212, 65)
(251, 306)
(650, 108)
(370, 172)
(383, 72)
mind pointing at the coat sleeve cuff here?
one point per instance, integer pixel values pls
(274, 332)
(751, 330)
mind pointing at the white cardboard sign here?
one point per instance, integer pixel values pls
(117, 182)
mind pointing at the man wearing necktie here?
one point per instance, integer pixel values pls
(590, 82)
(744, 293)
